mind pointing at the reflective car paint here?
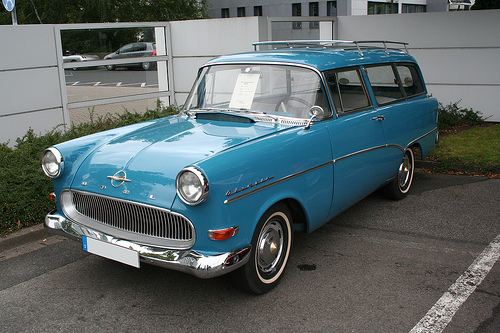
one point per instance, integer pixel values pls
(250, 164)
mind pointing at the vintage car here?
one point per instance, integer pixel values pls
(269, 142)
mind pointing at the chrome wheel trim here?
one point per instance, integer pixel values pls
(270, 247)
(275, 235)
(405, 173)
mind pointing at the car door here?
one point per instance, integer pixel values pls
(400, 95)
(357, 138)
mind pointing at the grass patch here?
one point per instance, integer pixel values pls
(476, 149)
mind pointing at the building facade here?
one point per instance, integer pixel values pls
(284, 8)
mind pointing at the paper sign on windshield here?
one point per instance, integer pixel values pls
(244, 91)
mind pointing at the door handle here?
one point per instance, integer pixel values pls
(379, 118)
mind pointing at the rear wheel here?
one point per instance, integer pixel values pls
(271, 245)
(146, 66)
(110, 67)
(398, 188)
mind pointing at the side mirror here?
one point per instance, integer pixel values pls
(315, 112)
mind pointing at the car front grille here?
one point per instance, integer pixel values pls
(131, 217)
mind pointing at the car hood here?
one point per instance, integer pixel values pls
(151, 157)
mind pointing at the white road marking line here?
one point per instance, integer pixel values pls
(143, 84)
(119, 84)
(74, 84)
(97, 83)
(440, 315)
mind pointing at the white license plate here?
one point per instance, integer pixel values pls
(111, 251)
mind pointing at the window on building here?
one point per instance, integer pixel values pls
(297, 11)
(224, 12)
(257, 10)
(331, 8)
(382, 8)
(240, 12)
(408, 8)
(313, 11)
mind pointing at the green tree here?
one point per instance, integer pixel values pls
(98, 11)
(486, 4)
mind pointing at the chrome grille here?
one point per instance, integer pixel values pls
(133, 217)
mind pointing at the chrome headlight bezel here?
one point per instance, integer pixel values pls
(192, 186)
(52, 162)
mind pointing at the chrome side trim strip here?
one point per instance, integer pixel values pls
(365, 151)
(246, 194)
(281, 180)
(423, 136)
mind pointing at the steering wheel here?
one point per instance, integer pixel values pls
(285, 101)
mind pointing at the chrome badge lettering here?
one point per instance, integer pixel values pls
(118, 178)
(238, 190)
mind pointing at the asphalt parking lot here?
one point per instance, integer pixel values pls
(381, 266)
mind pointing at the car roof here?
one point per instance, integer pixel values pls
(319, 58)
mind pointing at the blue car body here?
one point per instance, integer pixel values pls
(316, 167)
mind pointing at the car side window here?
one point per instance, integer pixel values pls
(141, 47)
(385, 84)
(127, 48)
(410, 79)
(347, 90)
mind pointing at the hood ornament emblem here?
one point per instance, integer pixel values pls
(118, 178)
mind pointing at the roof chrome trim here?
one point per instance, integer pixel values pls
(335, 44)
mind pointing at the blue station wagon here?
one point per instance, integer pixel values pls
(269, 142)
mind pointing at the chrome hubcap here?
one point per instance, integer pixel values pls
(404, 172)
(270, 247)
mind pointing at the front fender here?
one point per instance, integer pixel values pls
(248, 179)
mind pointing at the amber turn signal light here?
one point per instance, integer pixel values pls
(223, 234)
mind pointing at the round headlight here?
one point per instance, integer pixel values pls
(52, 162)
(192, 186)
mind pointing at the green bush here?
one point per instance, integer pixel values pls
(453, 116)
(24, 186)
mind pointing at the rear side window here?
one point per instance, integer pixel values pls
(385, 84)
(140, 47)
(410, 79)
(347, 90)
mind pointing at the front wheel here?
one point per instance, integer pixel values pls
(271, 245)
(398, 188)
(146, 66)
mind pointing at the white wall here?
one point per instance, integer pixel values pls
(29, 81)
(195, 42)
(457, 51)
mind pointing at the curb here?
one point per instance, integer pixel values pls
(23, 236)
(432, 165)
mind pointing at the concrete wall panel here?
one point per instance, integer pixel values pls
(41, 122)
(27, 46)
(457, 51)
(28, 90)
(214, 37)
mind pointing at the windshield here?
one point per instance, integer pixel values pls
(270, 89)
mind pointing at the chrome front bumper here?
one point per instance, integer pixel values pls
(189, 261)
